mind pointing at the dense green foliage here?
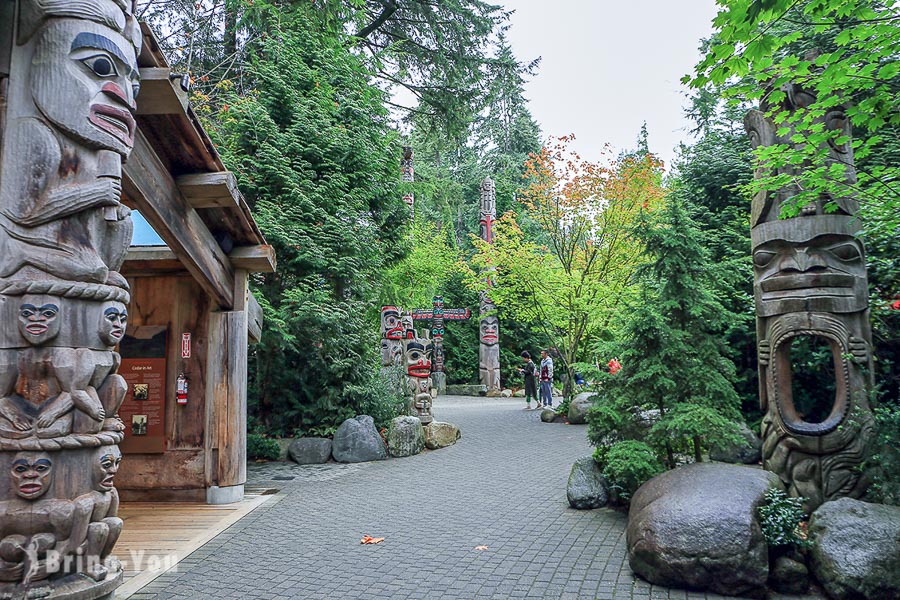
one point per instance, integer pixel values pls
(260, 447)
(674, 361)
(780, 517)
(626, 465)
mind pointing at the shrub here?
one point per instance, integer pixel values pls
(563, 408)
(259, 447)
(380, 395)
(628, 465)
(781, 518)
(885, 488)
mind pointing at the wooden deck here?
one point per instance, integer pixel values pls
(156, 536)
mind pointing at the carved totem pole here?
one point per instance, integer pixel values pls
(810, 282)
(437, 315)
(489, 331)
(68, 124)
(417, 353)
(391, 336)
(408, 176)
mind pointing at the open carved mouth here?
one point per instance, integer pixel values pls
(115, 121)
(419, 371)
(36, 328)
(107, 482)
(821, 401)
(489, 338)
(117, 332)
(30, 488)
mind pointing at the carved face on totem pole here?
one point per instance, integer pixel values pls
(31, 474)
(39, 324)
(488, 209)
(85, 82)
(417, 354)
(105, 466)
(112, 323)
(811, 290)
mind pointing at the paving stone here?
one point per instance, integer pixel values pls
(503, 485)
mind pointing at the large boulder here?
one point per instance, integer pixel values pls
(310, 451)
(405, 437)
(578, 407)
(587, 487)
(548, 415)
(748, 452)
(357, 440)
(440, 435)
(696, 527)
(856, 549)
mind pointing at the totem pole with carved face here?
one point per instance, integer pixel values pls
(417, 353)
(489, 330)
(810, 287)
(68, 124)
(408, 175)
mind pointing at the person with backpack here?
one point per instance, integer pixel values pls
(546, 379)
(529, 371)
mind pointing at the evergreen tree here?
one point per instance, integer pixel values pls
(671, 350)
(317, 160)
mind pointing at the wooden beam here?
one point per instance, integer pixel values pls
(210, 190)
(160, 95)
(148, 185)
(256, 259)
(254, 319)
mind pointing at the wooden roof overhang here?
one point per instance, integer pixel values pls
(176, 179)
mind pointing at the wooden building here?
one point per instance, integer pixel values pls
(191, 315)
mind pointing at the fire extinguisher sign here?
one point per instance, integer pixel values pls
(185, 345)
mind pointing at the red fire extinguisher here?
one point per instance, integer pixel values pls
(181, 389)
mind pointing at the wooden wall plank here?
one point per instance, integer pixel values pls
(254, 320)
(150, 187)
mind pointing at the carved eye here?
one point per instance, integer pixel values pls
(27, 313)
(48, 313)
(20, 468)
(41, 468)
(845, 251)
(135, 90)
(762, 257)
(101, 64)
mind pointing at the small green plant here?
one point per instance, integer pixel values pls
(260, 447)
(628, 464)
(380, 396)
(563, 408)
(782, 520)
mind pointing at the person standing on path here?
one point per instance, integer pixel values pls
(546, 379)
(529, 371)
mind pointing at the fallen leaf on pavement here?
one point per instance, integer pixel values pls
(481, 547)
(367, 539)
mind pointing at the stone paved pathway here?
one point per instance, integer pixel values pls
(503, 485)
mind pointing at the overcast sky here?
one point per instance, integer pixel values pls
(609, 65)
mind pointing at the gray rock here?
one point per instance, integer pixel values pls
(587, 488)
(405, 437)
(856, 549)
(747, 453)
(789, 576)
(440, 435)
(579, 406)
(548, 415)
(506, 394)
(357, 440)
(519, 394)
(466, 390)
(696, 527)
(310, 451)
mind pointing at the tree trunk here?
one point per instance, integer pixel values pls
(698, 457)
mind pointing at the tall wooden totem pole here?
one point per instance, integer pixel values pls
(408, 175)
(417, 353)
(68, 81)
(810, 282)
(489, 330)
